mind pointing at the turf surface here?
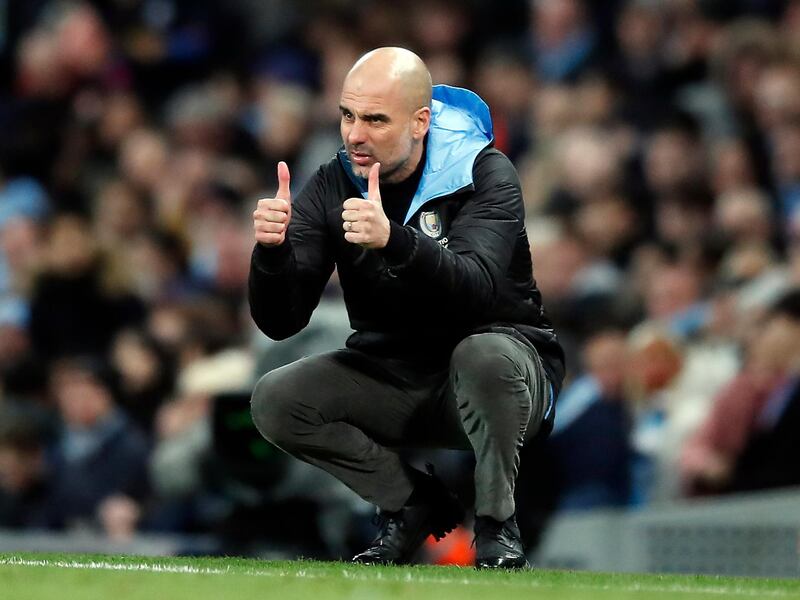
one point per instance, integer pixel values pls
(67, 577)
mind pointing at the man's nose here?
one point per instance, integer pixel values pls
(357, 133)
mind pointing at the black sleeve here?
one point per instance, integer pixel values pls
(400, 245)
(286, 281)
(481, 239)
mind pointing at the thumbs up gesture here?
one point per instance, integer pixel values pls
(271, 217)
(364, 221)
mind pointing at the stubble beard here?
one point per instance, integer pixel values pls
(389, 171)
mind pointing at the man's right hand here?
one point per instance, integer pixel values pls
(271, 217)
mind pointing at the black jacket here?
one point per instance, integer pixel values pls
(469, 271)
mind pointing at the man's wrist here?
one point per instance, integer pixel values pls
(401, 243)
(272, 259)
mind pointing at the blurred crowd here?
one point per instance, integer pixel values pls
(658, 142)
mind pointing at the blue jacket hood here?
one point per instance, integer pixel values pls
(461, 127)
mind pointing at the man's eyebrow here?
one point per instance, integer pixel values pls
(366, 116)
(375, 117)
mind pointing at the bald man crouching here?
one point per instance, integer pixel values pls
(424, 221)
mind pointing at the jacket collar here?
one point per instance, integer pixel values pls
(460, 128)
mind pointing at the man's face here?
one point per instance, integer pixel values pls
(19, 468)
(82, 400)
(775, 347)
(378, 125)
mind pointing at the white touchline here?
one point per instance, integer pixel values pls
(381, 576)
(107, 566)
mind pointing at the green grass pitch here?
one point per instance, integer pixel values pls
(67, 577)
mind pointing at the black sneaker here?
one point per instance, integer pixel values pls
(498, 544)
(436, 511)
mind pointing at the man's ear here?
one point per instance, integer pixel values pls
(422, 122)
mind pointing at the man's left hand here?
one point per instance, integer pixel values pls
(364, 221)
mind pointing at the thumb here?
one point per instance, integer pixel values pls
(373, 189)
(283, 182)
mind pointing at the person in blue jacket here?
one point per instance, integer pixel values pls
(424, 220)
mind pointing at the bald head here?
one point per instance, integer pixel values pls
(386, 112)
(396, 67)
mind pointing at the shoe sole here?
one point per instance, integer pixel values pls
(511, 566)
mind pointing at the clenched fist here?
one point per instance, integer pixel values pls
(271, 217)
(364, 221)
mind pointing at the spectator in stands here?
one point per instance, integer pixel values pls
(564, 41)
(98, 462)
(77, 304)
(669, 385)
(673, 297)
(145, 375)
(732, 167)
(641, 69)
(507, 85)
(786, 169)
(766, 461)
(749, 440)
(24, 478)
(590, 440)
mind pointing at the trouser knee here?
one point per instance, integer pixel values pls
(490, 368)
(272, 406)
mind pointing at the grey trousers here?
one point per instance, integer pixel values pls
(346, 412)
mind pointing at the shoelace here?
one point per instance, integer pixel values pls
(386, 523)
(498, 532)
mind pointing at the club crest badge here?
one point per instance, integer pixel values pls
(430, 224)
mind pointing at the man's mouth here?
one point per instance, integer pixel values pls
(360, 158)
